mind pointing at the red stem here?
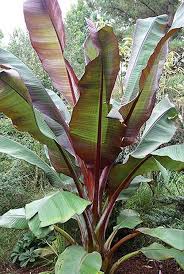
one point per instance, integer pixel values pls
(122, 241)
(102, 184)
(102, 225)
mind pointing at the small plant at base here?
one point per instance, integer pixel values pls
(85, 145)
(24, 258)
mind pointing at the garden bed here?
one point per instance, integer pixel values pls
(136, 265)
(9, 269)
(142, 265)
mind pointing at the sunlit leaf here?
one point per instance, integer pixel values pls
(159, 128)
(128, 218)
(76, 260)
(56, 208)
(171, 236)
(14, 218)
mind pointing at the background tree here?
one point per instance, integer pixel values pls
(76, 33)
(129, 11)
(20, 45)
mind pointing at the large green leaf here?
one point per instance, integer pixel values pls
(37, 230)
(159, 129)
(17, 150)
(171, 236)
(46, 30)
(128, 218)
(97, 138)
(14, 218)
(76, 260)
(159, 252)
(148, 33)
(171, 157)
(56, 208)
(16, 103)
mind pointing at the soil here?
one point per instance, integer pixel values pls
(142, 265)
(136, 265)
(9, 269)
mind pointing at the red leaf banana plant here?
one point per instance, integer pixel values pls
(86, 144)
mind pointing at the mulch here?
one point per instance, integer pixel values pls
(136, 265)
(141, 265)
(9, 269)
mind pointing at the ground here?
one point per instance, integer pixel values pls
(136, 265)
(141, 265)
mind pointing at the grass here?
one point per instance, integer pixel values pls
(8, 239)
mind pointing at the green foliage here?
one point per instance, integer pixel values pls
(15, 179)
(24, 253)
(129, 11)
(16, 175)
(160, 205)
(24, 258)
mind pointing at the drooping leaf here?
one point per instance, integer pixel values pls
(14, 218)
(128, 218)
(46, 30)
(76, 260)
(159, 129)
(94, 135)
(56, 208)
(171, 236)
(158, 252)
(171, 158)
(35, 227)
(17, 150)
(15, 102)
(39, 97)
(131, 190)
